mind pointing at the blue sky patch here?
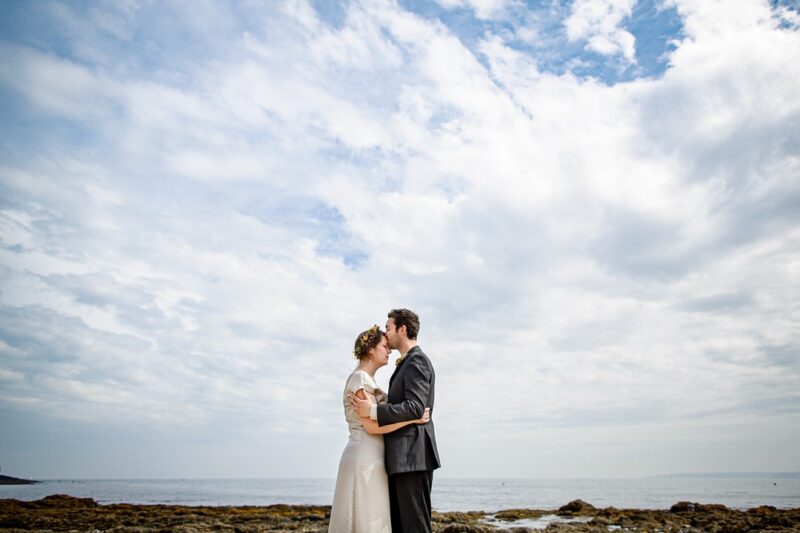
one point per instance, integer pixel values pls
(315, 220)
(656, 28)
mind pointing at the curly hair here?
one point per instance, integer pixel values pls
(366, 341)
(407, 318)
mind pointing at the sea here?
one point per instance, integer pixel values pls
(489, 495)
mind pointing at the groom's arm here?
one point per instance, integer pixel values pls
(416, 393)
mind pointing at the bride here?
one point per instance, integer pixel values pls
(361, 499)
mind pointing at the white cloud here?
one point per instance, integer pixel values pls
(54, 85)
(359, 44)
(599, 22)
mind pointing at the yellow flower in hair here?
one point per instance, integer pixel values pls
(364, 340)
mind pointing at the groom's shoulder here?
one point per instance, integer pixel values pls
(422, 357)
(417, 351)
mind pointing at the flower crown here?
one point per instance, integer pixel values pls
(364, 340)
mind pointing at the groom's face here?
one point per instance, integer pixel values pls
(392, 335)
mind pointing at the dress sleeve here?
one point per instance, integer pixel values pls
(361, 380)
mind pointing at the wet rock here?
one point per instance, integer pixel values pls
(577, 507)
(466, 528)
(520, 514)
(692, 507)
(683, 507)
(764, 509)
(63, 501)
(458, 517)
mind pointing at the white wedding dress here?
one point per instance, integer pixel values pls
(361, 500)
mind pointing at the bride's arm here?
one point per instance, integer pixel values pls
(372, 427)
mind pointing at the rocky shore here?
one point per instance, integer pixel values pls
(66, 513)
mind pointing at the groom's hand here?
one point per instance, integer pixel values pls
(426, 416)
(361, 407)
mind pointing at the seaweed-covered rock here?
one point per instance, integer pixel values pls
(467, 528)
(64, 501)
(519, 514)
(692, 507)
(683, 507)
(577, 507)
(761, 510)
(456, 517)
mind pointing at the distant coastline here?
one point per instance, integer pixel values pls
(8, 480)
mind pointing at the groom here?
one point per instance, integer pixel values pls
(411, 454)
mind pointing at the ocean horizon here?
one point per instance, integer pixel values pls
(743, 491)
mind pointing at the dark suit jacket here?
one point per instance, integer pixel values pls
(411, 390)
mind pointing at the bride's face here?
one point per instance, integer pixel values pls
(380, 353)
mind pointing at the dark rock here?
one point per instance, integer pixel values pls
(65, 501)
(683, 507)
(693, 507)
(764, 509)
(458, 517)
(577, 507)
(519, 514)
(464, 528)
(712, 507)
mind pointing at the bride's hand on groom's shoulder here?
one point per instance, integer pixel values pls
(426, 417)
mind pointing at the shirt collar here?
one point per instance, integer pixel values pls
(406, 355)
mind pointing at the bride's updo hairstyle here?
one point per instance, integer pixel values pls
(366, 341)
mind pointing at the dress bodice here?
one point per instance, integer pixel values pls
(356, 381)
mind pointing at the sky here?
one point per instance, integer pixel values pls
(593, 206)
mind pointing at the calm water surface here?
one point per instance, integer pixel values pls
(448, 494)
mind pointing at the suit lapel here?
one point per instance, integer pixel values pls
(410, 353)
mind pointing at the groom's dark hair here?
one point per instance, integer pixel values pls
(407, 318)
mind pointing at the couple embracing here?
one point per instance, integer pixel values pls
(386, 471)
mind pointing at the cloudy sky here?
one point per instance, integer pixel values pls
(593, 205)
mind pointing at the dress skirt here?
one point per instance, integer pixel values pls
(361, 500)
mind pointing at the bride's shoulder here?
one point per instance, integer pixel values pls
(357, 374)
(361, 378)
(363, 375)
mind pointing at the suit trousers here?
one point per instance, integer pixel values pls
(410, 501)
